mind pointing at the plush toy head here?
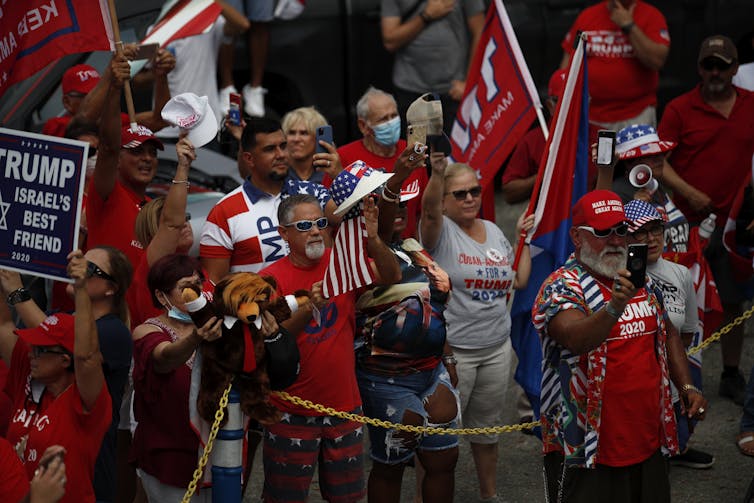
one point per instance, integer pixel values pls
(241, 352)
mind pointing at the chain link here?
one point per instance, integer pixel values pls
(219, 414)
(430, 430)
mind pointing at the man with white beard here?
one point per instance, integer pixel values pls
(327, 376)
(609, 354)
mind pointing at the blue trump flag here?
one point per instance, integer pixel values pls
(561, 181)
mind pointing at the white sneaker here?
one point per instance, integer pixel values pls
(253, 98)
(224, 98)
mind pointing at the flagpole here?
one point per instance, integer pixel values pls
(119, 51)
(542, 122)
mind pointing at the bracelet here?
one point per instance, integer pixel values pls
(188, 184)
(449, 360)
(389, 196)
(690, 387)
(390, 192)
(18, 295)
(425, 17)
(626, 29)
(610, 310)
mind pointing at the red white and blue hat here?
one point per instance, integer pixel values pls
(640, 140)
(639, 213)
(353, 183)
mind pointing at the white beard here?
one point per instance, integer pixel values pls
(599, 263)
(314, 251)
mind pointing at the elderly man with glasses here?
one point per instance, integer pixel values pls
(609, 355)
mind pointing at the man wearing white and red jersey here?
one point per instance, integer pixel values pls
(241, 232)
(609, 353)
(626, 46)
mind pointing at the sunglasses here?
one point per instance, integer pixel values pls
(643, 233)
(37, 351)
(460, 195)
(710, 64)
(92, 152)
(93, 269)
(619, 230)
(306, 225)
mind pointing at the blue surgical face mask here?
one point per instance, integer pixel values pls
(177, 314)
(387, 133)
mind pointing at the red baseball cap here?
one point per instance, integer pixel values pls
(132, 138)
(599, 209)
(557, 84)
(56, 330)
(80, 79)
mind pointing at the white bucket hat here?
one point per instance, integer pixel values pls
(355, 182)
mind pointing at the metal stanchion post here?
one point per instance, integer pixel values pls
(227, 455)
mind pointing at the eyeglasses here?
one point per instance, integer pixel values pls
(710, 64)
(460, 195)
(643, 233)
(619, 230)
(37, 351)
(306, 225)
(93, 269)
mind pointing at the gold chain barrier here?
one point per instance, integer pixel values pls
(431, 430)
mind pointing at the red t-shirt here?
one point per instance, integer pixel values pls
(327, 373)
(111, 222)
(57, 420)
(524, 161)
(164, 444)
(55, 126)
(356, 150)
(13, 482)
(631, 430)
(713, 153)
(620, 86)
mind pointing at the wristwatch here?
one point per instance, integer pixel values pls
(16, 296)
(449, 359)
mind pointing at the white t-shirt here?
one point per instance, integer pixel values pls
(674, 280)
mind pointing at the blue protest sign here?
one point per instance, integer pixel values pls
(41, 188)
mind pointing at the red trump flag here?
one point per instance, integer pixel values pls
(33, 33)
(500, 101)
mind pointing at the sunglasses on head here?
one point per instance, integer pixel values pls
(710, 64)
(37, 351)
(306, 225)
(93, 269)
(619, 230)
(461, 194)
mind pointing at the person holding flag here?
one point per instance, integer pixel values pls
(478, 257)
(608, 358)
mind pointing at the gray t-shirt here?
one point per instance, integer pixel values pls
(678, 294)
(481, 275)
(440, 52)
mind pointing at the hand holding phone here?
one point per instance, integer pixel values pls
(324, 133)
(234, 112)
(637, 263)
(146, 51)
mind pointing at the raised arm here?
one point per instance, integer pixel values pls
(7, 337)
(406, 163)
(28, 310)
(168, 356)
(650, 53)
(86, 354)
(431, 219)
(163, 64)
(385, 266)
(397, 33)
(173, 216)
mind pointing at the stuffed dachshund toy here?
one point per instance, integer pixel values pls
(257, 364)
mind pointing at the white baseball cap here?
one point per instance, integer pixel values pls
(192, 114)
(353, 183)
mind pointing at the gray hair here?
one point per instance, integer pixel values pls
(362, 106)
(287, 205)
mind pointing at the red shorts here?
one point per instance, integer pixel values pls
(294, 446)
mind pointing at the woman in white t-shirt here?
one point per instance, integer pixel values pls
(646, 225)
(478, 258)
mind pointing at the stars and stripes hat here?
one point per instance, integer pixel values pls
(132, 138)
(639, 213)
(352, 184)
(639, 140)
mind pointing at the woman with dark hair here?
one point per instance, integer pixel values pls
(108, 277)
(164, 445)
(57, 386)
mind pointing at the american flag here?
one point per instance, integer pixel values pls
(349, 266)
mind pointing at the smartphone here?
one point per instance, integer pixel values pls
(416, 133)
(605, 147)
(234, 112)
(324, 133)
(146, 51)
(637, 264)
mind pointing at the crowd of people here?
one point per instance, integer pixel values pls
(96, 403)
